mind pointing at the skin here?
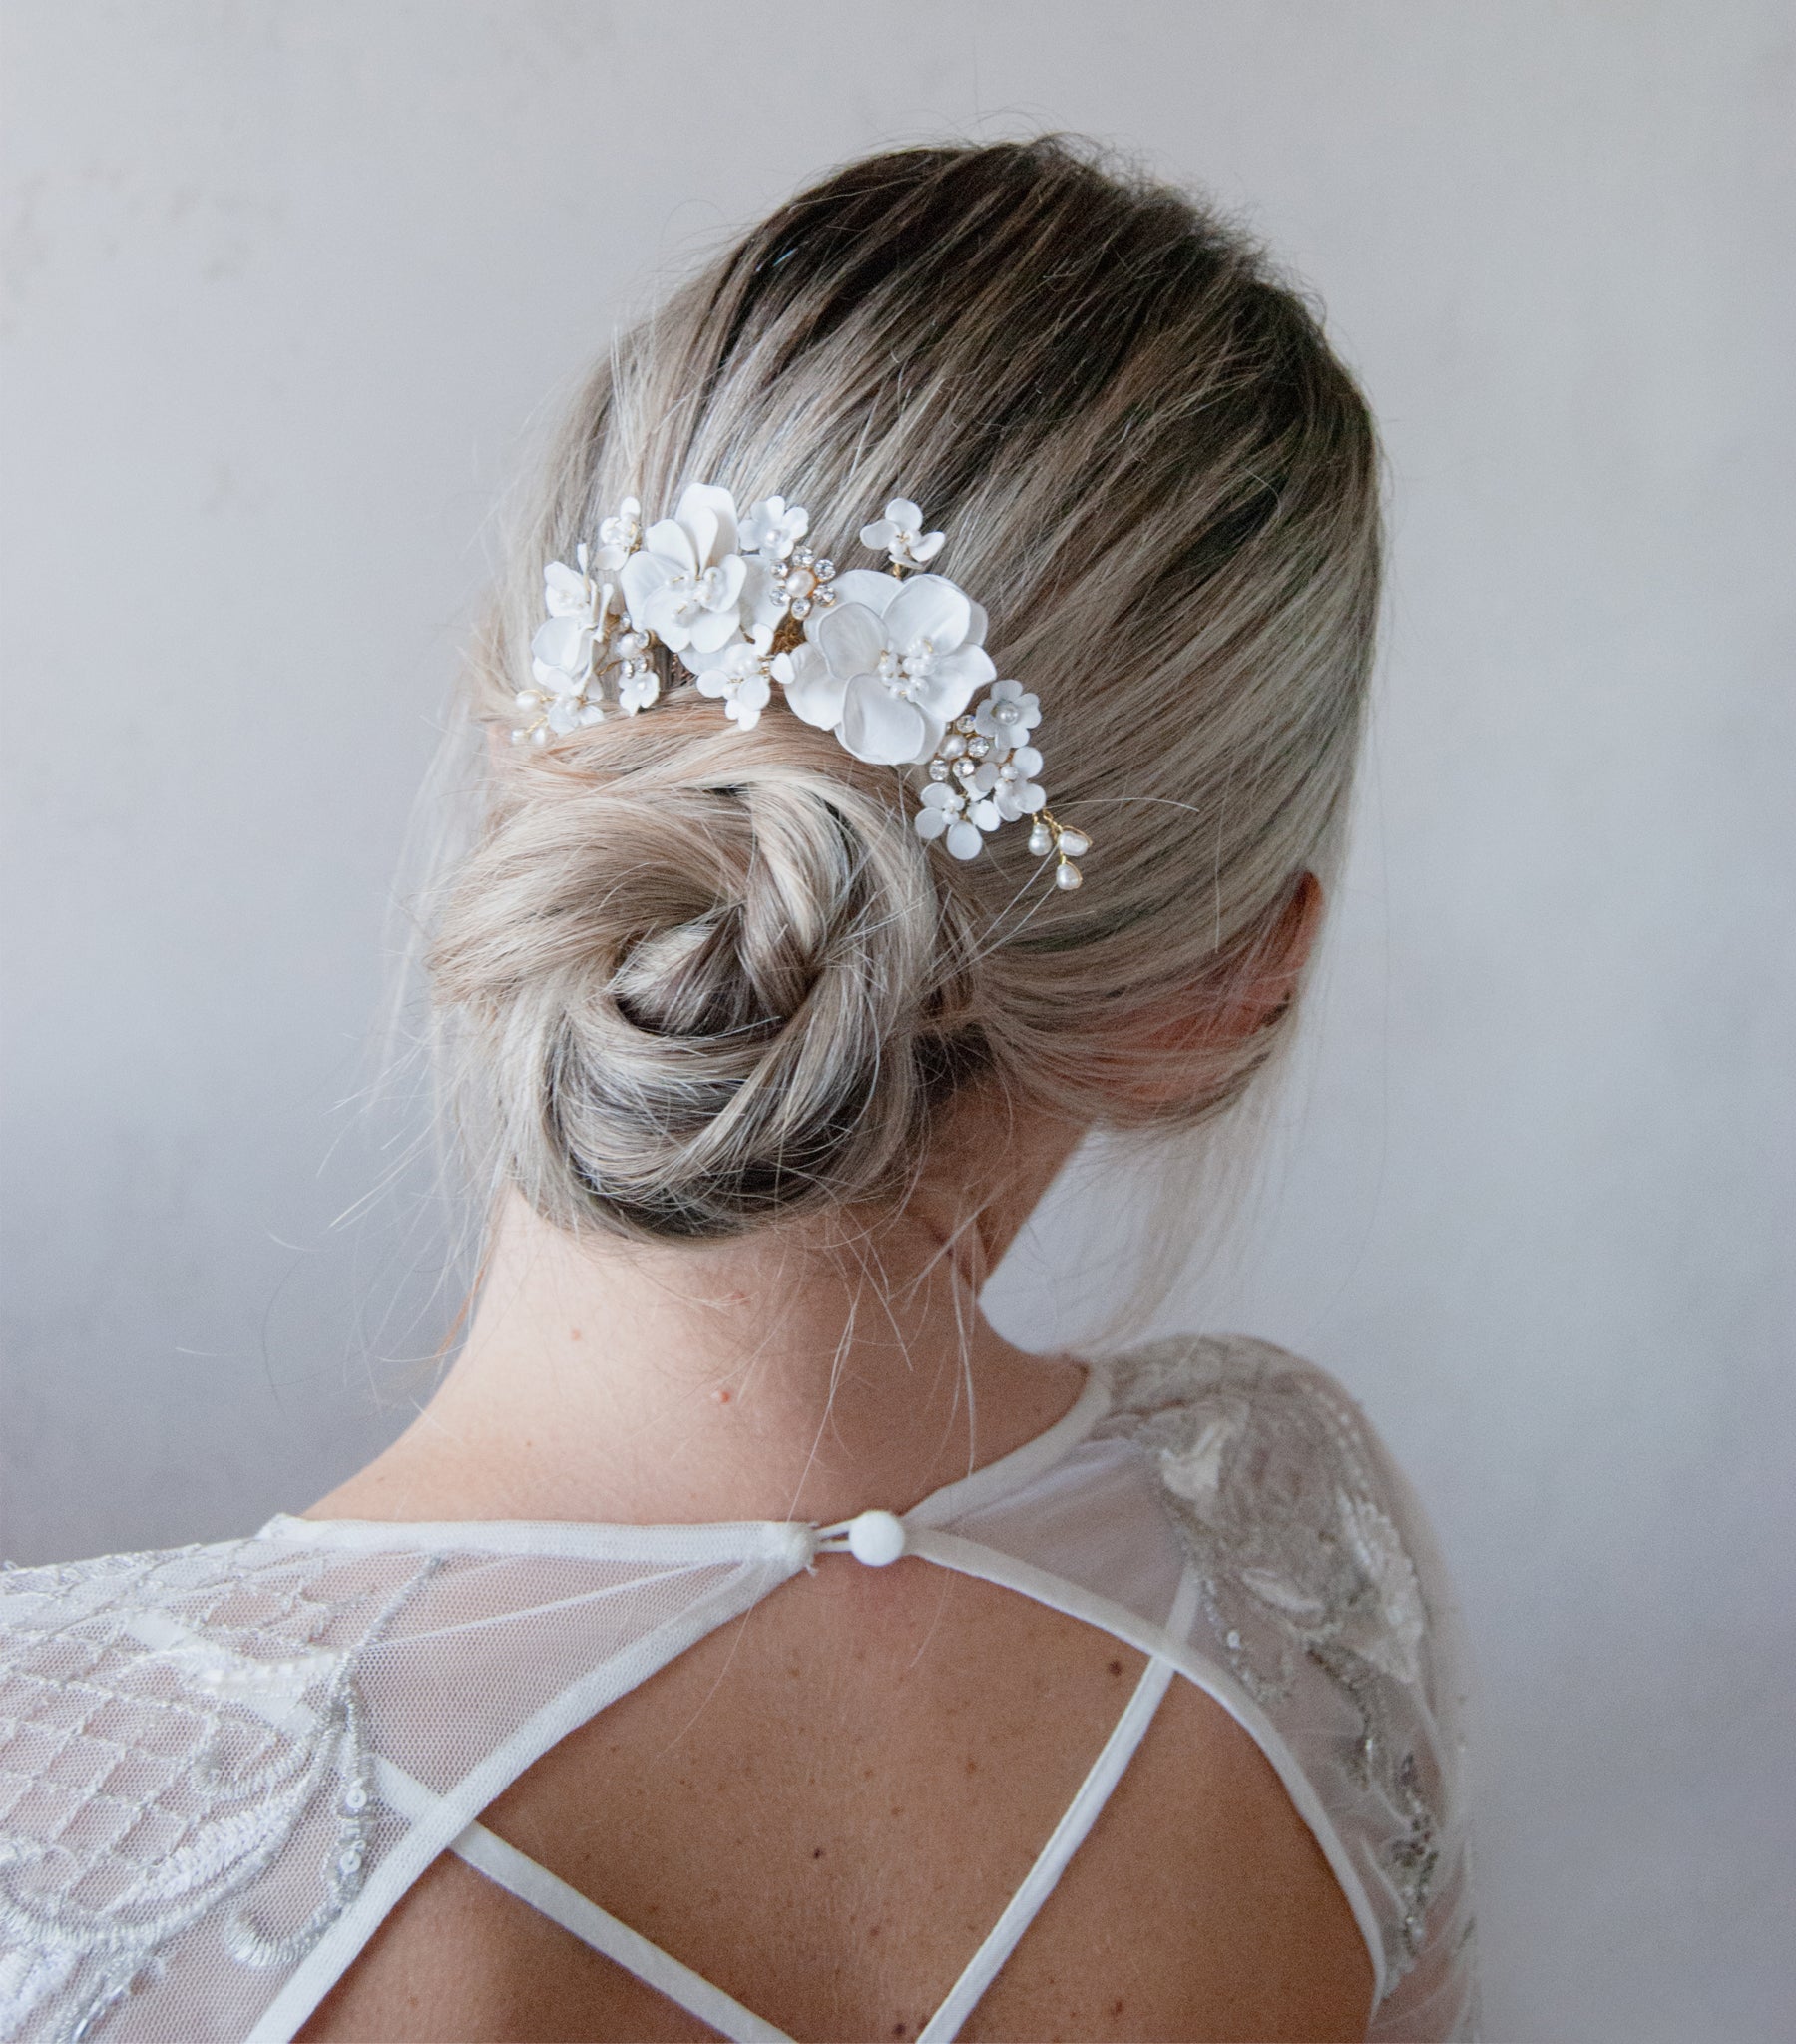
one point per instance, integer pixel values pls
(824, 1805)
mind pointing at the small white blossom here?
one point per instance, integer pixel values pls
(1007, 715)
(570, 713)
(620, 535)
(636, 690)
(578, 603)
(738, 673)
(575, 592)
(1011, 784)
(773, 528)
(685, 582)
(900, 534)
(951, 813)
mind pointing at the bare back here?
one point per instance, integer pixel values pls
(825, 1805)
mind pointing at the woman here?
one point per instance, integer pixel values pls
(746, 1638)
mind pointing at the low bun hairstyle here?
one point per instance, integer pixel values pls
(703, 967)
(697, 980)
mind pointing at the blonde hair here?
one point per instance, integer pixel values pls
(701, 979)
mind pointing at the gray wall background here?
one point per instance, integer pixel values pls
(285, 291)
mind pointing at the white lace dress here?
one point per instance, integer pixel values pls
(220, 1767)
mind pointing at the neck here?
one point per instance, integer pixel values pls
(800, 1373)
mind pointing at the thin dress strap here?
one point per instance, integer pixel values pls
(1069, 1834)
(522, 1876)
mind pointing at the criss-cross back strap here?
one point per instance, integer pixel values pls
(522, 1876)
(1068, 1835)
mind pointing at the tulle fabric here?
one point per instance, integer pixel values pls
(220, 1767)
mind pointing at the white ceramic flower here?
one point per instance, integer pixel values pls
(744, 696)
(1007, 715)
(570, 712)
(619, 535)
(637, 687)
(889, 663)
(900, 533)
(738, 674)
(1011, 783)
(957, 814)
(561, 656)
(578, 603)
(773, 528)
(575, 591)
(684, 583)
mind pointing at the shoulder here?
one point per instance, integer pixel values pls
(1282, 1487)
(244, 1594)
(166, 1721)
(1324, 1594)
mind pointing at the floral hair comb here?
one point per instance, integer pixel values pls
(888, 661)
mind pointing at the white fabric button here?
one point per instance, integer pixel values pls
(876, 1538)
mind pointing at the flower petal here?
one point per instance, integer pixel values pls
(949, 687)
(901, 511)
(813, 692)
(926, 547)
(935, 728)
(564, 643)
(929, 823)
(711, 629)
(879, 727)
(566, 591)
(928, 607)
(850, 638)
(703, 660)
(661, 616)
(964, 840)
(640, 576)
(864, 586)
(675, 545)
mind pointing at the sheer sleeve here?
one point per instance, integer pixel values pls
(1323, 1591)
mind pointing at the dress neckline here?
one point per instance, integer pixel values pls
(713, 1540)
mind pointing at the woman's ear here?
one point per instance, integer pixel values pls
(1273, 970)
(1249, 993)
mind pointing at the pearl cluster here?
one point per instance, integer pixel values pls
(802, 583)
(1066, 845)
(981, 776)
